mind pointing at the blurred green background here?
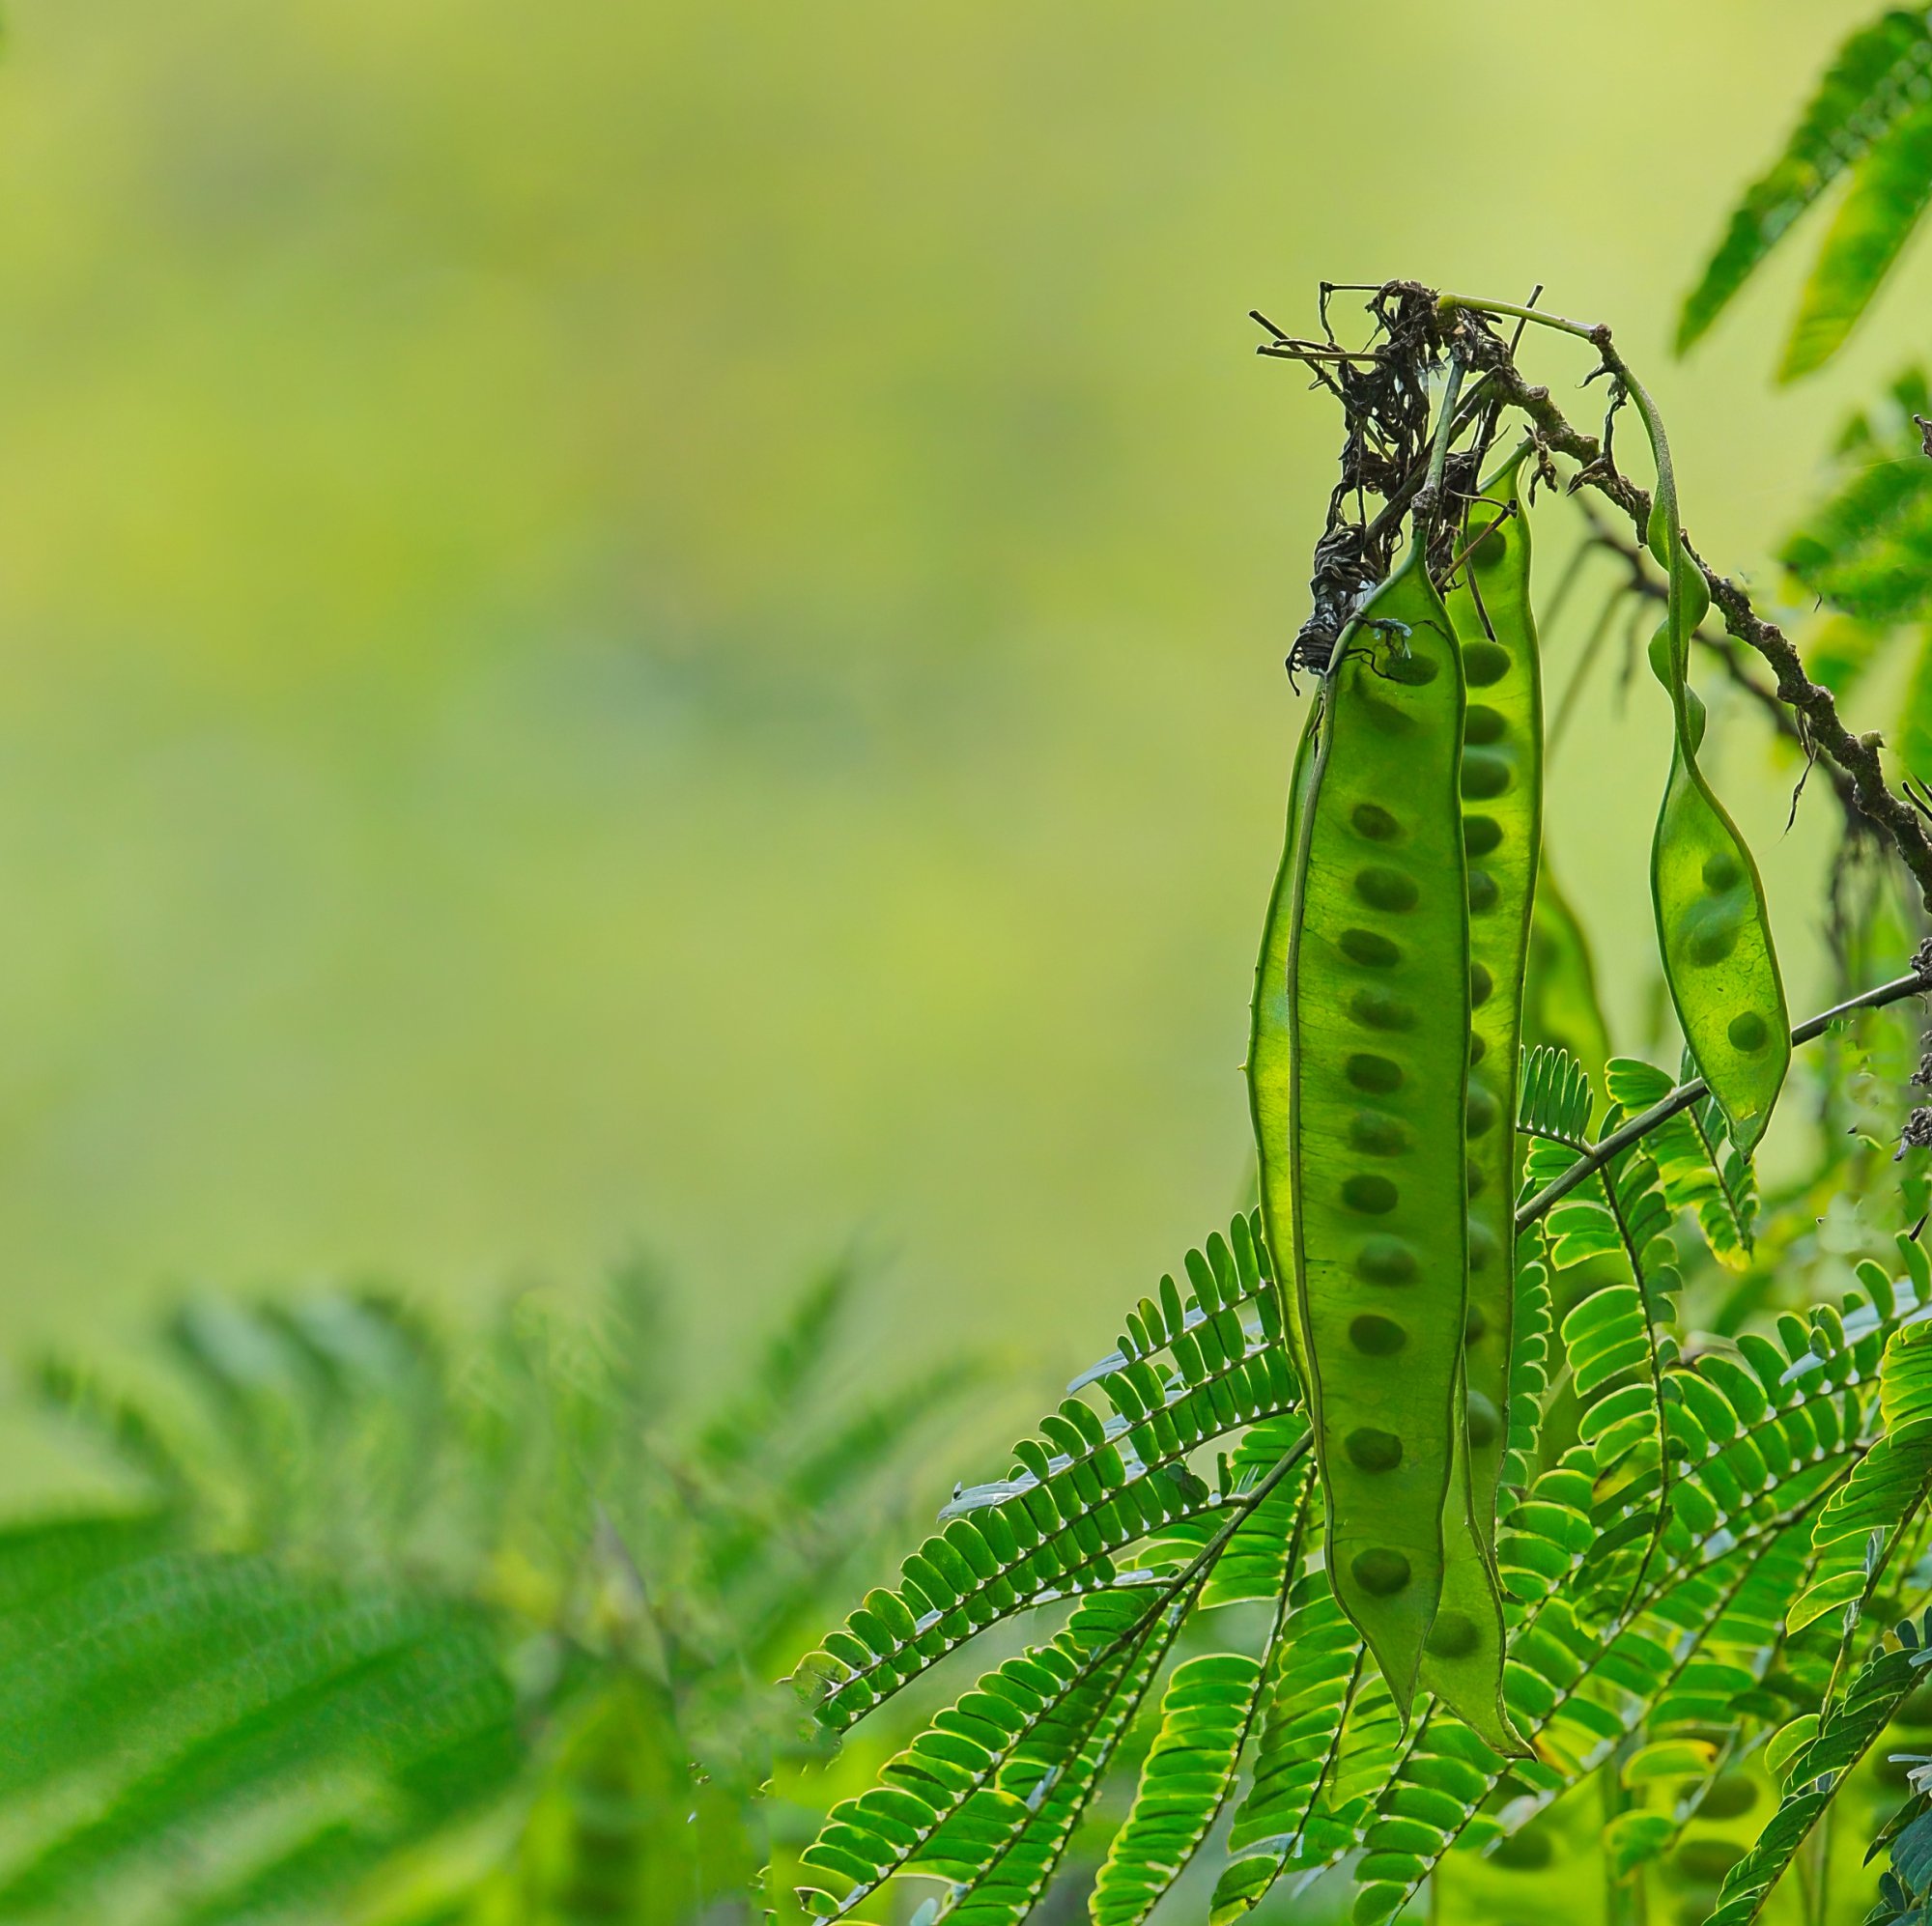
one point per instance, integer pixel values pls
(665, 623)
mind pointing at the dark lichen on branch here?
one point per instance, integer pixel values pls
(1811, 704)
(1383, 389)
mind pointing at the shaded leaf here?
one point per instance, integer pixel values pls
(1877, 76)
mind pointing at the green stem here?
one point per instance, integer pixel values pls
(1686, 1095)
(1856, 755)
(1617, 1908)
(1815, 1892)
(1543, 318)
(1429, 504)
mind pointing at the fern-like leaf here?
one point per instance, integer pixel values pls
(1532, 1337)
(182, 1695)
(1699, 1169)
(988, 1793)
(1580, 1693)
(133, 1433)
(1905, 1889)
(1554, 1099)
(951, 1768)
(1228, 1278)
(1861, 550)
(1867, 1515)
(1255, 1566)
(1619, 1343)
(1320, 1666)
(1879, 75)
(1847, 1732)
(1205, 1716)
(1887, 197)
(999, 1871)
(1001, 1868)
(1082, 1492)
(1678, 1662)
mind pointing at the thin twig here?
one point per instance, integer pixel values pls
(1722, 650)
(1858, 755)
(1600, 1153)
(1585, 660)
(1566, 582)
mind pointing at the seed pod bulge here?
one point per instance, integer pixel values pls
(1378, 989)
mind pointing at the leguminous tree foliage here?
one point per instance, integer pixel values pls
(1414, 1524)
(1866, 132)
(375, 1628)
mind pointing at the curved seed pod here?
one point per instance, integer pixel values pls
(1560, 1005)
(1502, 810)
(1463, 1656)
(1713, 927)
(1502, 826)
(1268, 1052)
(1378, 984)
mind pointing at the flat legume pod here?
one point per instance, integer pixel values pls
(1463, 1656)
(1560, 1005)
(1502, 810)
(1463, 1659)
(1502, 828)
(1269, 1048)
(1713, 924)
(1377, 1010)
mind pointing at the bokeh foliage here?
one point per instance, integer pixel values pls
(378, 1623)
(503, 516)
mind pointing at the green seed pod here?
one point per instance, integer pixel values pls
(1502, 786)
(1268, 1043)
(1365, 1183)
(1358, 1065)
(1561, 1005)
(1490, 605)
(1713, 924)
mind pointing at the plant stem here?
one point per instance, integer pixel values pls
(1814, 1863)
(1623, 1896)
(1439, 453)
(1686, 1095)
(1856, 754)
(1722, 650)
(1562, 324)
